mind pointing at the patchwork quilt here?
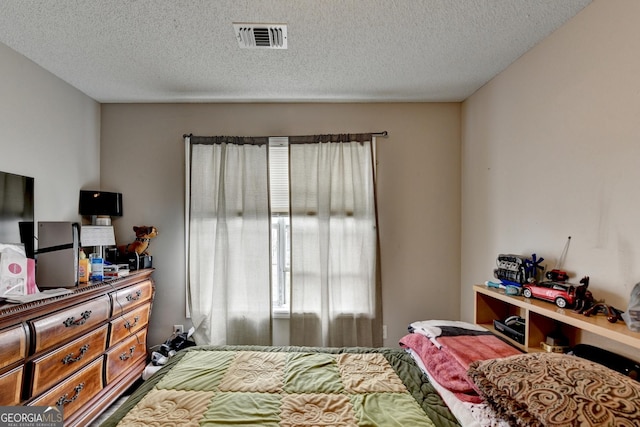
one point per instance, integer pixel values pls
(286, 386)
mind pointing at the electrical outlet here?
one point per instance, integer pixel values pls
(178, 329)
(384, 332)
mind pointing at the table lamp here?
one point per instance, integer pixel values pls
(97, 236)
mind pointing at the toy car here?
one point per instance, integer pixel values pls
(556, 275)
(560, 293)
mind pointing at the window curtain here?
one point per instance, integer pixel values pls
(228, 231)
(335, 291)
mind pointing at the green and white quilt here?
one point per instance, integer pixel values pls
(286, 386)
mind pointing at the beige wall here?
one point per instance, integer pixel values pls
(551, 149)
(50, 131)
(142, 156)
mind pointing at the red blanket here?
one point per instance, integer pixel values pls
(448, 366)
(447, 371)
(480, 347)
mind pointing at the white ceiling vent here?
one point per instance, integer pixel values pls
(261, 36)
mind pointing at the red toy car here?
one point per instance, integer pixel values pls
(561, 293)
(556, 275)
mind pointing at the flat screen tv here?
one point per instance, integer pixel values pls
(16, 211)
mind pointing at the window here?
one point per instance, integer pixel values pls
(280, 264)
(280, 238)
(282, 227)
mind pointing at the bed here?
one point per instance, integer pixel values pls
(443, 374)
(486, 382)
(286, 386)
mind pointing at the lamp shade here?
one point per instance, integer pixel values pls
(97, 235)
(100, 203)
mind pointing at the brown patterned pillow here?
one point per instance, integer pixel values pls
(550, 389)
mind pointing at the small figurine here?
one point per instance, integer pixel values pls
(583, 297)
(144, 234)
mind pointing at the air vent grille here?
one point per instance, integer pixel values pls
(261, 36)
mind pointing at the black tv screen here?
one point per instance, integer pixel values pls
(16, 211)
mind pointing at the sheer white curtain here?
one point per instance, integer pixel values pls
(335, 294)
(228, 240)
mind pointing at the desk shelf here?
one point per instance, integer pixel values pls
(542, 318)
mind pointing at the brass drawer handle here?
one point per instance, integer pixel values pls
(136, 297)
(125, 356)
(71, 321)
(128, 325)
(63, 399)
(69, 357)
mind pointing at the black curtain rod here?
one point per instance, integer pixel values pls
(382, 134)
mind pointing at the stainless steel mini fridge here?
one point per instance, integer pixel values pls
(57, 254)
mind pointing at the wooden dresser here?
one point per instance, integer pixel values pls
(80, 351)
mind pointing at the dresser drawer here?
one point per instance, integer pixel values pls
(56, 328)
(11, 387)
(56, 365)
(75, 391)
(122, 356)
(13, 342)
(130, 322)
(125, 299)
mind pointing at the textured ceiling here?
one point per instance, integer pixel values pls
(338, 50)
